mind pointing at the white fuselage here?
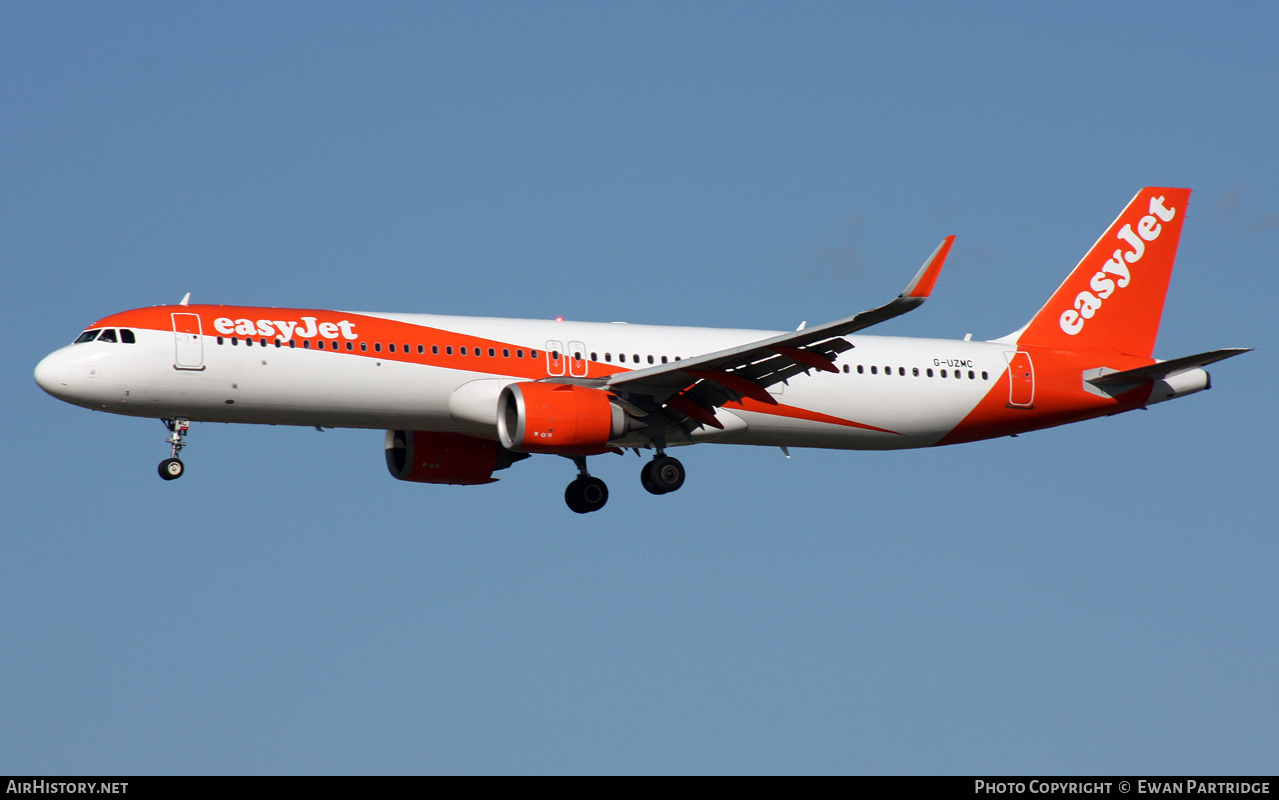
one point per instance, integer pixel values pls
(888, 393)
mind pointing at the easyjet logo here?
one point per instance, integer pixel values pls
(287, 329)
(1115, 273)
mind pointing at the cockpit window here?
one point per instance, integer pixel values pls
(88, 336)
(108, 335)
(126, 336)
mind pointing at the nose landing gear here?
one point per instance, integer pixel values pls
(586, 493)
(172, 468)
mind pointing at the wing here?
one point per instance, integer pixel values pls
(687, 392)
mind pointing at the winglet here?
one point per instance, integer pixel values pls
(922, 284)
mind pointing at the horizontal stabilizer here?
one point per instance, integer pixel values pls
(1163, 369)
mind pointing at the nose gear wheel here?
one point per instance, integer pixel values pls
(172, 468)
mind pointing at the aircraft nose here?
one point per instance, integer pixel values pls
(53, 373)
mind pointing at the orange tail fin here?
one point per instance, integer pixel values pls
(1115, 296)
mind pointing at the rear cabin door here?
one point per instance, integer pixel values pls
(1021, 380)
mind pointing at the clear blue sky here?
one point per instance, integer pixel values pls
(1099, 598)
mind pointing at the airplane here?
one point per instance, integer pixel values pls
(461, 398)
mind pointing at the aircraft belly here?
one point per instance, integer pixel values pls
(892, 414)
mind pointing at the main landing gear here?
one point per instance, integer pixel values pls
(662, 475)
(172, 468)
(587, 493)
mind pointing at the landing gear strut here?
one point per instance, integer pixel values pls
(172, 468)
(662, 475)
(587, 493)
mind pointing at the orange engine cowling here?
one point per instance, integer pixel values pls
(557, 418)
(427, 457)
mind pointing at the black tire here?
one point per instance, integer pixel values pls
(171, 469)
(585, 495)
(666, 474)
(646, 478)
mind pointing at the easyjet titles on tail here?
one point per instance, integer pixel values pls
(1087, 303)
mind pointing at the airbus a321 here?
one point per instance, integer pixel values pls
(462, 398)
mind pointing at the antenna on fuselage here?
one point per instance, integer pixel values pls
(186, 298)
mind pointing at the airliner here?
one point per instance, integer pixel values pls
(461, 398)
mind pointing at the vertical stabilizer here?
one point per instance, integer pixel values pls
(1115, 296)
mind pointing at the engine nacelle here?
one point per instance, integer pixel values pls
(427, 457)
(557, 418)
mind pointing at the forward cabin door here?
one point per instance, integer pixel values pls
(1021, 380)
(188, 342)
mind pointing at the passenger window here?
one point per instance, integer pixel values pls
(350, 346)
(901, 371)
(621, 357)
(219, 340)
(506, 352)
(930, 372)
(520, 353)
(608, 357)
(435, 349)
(874, 370)
(391, 346)
(235, 340)
(292, 343)
(663, 359)
(87, 336)
(406, 348)
(364, 347)
(532, 354)
(845, 369)
(377, 347)
(915, 372)
(861, 370)
(984, 376)
(448, 350)
(108, 335)
(492, 353)
(126, 336)
(970, 375)
(943, 373)
(462, 350)
(650, 359)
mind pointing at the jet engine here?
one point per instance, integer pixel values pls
(428, 457)
(558, 418)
